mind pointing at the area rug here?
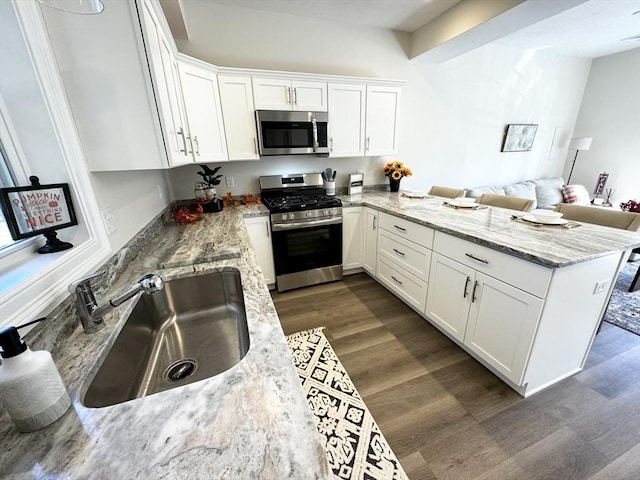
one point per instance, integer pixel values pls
(355, 447)
(624, 307)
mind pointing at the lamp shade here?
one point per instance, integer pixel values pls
(580, 143)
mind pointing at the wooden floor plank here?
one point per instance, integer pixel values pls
(448, 417)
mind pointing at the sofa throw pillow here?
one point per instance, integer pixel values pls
(575, 194)
(548, 191)
(523, 190)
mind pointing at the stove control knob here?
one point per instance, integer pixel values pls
(308, 213)
(327, 212)
(284, 216)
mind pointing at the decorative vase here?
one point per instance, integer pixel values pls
(394, 185)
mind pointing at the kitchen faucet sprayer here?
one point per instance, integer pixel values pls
(91, 313)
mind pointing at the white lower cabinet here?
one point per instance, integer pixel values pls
(369, 240)
(259, 230)
(403, 258)
(351, 238)
(495, 321)
(449, 295)
(407, 286)
(502, 325)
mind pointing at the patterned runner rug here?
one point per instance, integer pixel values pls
(624, 307)
(355, 447)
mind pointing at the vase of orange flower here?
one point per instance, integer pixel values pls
(395, 171)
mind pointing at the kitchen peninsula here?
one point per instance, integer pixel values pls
(524, 300)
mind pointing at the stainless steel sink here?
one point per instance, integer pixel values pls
(193, 329)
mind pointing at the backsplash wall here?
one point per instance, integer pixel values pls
(245, 174)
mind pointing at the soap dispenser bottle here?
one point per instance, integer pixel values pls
(31, 389)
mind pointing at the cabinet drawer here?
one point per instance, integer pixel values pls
(412, 257)
(409, 288)
(524, 275)
(411, 231)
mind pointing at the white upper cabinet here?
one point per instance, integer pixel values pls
(236, 99)
(383, 105)
(122, 86)
(363, 120)
(166, 84)
(204, 116)
(346, 120)
(309, 96)
(283, 94)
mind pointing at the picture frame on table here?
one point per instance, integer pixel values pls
(519, 137)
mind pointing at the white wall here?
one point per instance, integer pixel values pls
(135, 198)
(610, 114)
(453, 114)
(90, 50)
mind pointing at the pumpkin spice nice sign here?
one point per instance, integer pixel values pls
(35, 209)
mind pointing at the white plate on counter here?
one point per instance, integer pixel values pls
(416, 195)
(462, 203)
(551, 221)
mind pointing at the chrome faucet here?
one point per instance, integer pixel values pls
(91, 313)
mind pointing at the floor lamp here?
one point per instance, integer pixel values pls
(578, 144)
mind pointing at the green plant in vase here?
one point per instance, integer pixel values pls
(210, 180)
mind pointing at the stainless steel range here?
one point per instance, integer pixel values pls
(306, 230)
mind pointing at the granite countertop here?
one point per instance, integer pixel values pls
(251, 421)
(494, 228)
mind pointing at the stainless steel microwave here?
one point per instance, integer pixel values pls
(292, 133)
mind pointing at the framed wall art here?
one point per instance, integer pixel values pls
(519, 137)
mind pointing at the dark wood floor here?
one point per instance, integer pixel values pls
(447, 417)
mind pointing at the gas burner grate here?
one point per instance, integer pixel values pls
(300, 202)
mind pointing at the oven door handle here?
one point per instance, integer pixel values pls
(314, 223)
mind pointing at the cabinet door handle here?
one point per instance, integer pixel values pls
(190, 143)
(268, 232)
(289, 95)
(331, 143)
(466, 286)
(184, 140)
(473, 294)
(399, 252)
(295, 96)
(368, 143)
(374, 222)
(481, 260)
(402, 229)
(396, 280)
(195, 140)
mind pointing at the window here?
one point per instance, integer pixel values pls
(6, 180)
(38, 137)
(11, 174)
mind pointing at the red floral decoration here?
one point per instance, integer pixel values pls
(630, 206)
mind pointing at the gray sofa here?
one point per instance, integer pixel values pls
(545, 192)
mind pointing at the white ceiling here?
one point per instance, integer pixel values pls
(592, 29)
(403, 15)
